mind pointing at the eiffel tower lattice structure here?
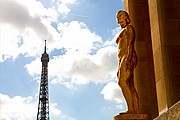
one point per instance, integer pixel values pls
(43, 105)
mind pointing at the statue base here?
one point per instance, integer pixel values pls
(128, 116)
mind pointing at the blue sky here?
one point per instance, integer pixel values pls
(82, 69)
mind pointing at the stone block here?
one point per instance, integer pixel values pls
(158, 64)
(155, 35)
(161, 94)
(169, 8)
(153, 12)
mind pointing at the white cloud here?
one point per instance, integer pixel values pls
(112, 92)
(23, 27)
(63, 9)
(77, 36)
(25, 108)
(75, 68)
(84, 61)
(98, 68)
(77, 65)
(62, 6)
(67, 1)
(9, 46)
(34, 68)
(20, 15)
(17, 108)
(51, 14)
(120, 106)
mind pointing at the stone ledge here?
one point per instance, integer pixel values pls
(172, 114)
(126, 116)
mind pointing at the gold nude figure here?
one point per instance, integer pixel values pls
(127, 61)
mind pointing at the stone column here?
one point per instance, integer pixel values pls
(165, 32)
(144, 77)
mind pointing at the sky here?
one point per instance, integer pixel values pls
(82, 69)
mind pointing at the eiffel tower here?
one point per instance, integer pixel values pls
(43, 106)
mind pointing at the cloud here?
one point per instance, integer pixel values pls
(34, 68)
(79, 65)
(67, 1)
(63, 9)
(19, 16)
(17, 108)
(62, 6)
(77, 37)
(97, 68)
(24, 28)
(87, 57)
(25, 108)
(75, 68)
(112, 92)
(21, 27)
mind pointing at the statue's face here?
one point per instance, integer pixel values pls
(121, 19)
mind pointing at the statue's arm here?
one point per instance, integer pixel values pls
(130, 39)
(117, 40)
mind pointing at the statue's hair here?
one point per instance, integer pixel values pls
(126, 14)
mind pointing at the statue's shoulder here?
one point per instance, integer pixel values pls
(130, 28)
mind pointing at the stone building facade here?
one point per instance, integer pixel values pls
(157, 76)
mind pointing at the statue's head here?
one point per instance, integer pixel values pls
(123, 18)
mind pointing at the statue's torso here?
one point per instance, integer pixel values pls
(123, 45)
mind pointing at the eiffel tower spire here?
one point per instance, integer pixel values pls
(43, 106)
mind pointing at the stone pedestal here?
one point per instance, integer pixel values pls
(125, 116)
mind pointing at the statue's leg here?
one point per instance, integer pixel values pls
(135, 94)
(136, 101)
(123, 79)
(134, 97)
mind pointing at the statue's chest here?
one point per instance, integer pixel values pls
(123, 34)
(123, 38)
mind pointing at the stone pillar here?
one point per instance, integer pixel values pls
(165, 32)
(144, 77)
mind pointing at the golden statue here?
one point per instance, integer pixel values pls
(127, 61)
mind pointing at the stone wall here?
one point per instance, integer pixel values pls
(165, 34)
(157, 75)
(144, 78)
